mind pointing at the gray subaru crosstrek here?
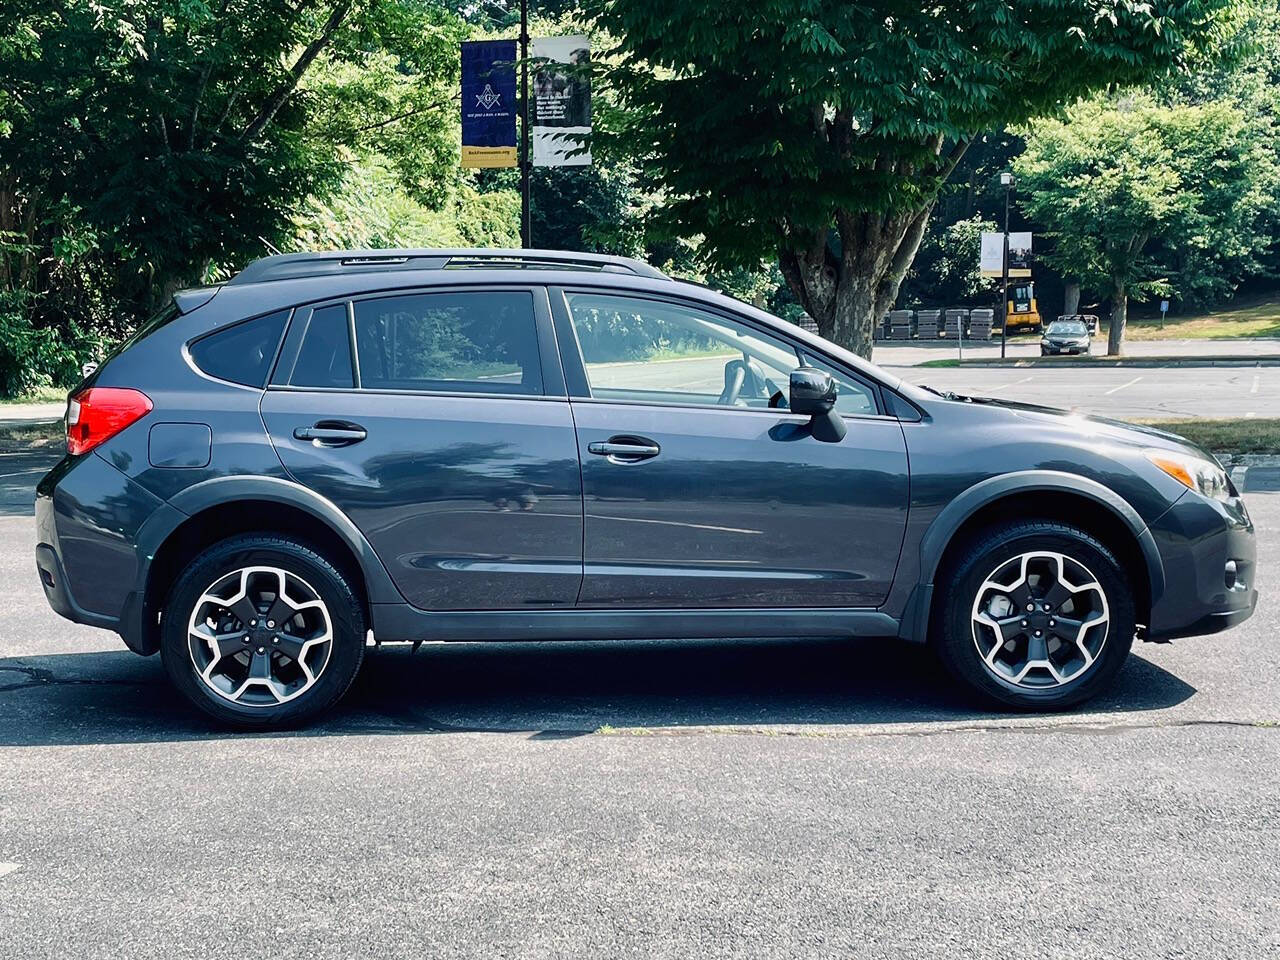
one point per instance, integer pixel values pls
(532, 445)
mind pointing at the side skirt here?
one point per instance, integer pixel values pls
(393, 622)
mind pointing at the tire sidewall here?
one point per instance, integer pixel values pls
(344, 612)
(954, 638)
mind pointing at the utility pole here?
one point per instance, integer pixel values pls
(525, 223)
(1006, 180)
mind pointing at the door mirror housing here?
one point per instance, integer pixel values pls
(813, 393)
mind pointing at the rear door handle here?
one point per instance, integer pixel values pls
(332, 433)
(625, 449)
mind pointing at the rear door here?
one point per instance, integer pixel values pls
(437, 421)
(700, 490)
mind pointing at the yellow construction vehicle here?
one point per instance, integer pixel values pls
(1021, 312)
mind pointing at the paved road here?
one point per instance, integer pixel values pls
(1126, 393)
(902, 353)
(638, 800)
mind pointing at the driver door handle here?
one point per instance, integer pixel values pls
(625, 449)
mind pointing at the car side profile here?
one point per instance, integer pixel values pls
(530, 445)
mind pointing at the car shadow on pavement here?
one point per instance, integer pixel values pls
(545, 689)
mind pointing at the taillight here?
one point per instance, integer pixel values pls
(97, 414)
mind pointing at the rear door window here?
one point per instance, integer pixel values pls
(242, 353)
(324, 358)
(466, 342)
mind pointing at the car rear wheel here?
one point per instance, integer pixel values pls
(1035, 615)
(262, 632)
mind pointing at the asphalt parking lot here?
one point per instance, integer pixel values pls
(698, 799)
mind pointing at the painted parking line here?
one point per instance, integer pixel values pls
(1122, 386)
(1006, 386)
(1257, 377)
(8, 868)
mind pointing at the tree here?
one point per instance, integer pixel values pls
(821, 131)
(149, 144)
(1141, 199)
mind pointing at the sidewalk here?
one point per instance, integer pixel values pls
(15, 414)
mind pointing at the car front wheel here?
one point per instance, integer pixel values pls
(1035, 615)
(262, 632)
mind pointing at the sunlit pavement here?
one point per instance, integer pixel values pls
(694, 799)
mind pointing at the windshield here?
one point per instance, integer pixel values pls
(1071, 329)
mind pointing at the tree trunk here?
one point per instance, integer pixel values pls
(1119, 316)
(848, 278)
(1071, 299)
(848, 293)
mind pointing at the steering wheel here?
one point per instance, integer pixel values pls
(735, 377)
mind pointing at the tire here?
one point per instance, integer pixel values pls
(245, 677)
(1068, 664)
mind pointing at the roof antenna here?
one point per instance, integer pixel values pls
(271, 246)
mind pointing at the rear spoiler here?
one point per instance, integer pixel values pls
(188, 300)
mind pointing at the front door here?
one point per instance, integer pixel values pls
(442, 439)
(699, 489)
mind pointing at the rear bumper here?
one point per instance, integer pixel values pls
(88, 514)
(1197, 538)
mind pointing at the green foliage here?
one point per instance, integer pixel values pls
(946, 269)
(374, 209)
(823, 130)
(151, 144)
(1142, 199)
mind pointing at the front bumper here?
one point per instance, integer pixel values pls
(1196, 538)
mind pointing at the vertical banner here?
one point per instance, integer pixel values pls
(1019, 254)
(992, 259)
(561, 101)
(489, 103)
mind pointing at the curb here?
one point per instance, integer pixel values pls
(1238, 466)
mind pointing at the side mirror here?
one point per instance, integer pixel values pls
(813, 393)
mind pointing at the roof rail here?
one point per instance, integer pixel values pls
(292, 266)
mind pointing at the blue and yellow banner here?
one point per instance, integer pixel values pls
(489, 103)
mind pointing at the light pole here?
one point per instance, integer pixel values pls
(525, 221)
(1006, 181)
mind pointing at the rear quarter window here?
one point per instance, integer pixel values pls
(243, 352)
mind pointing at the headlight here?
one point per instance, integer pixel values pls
(1201, 475)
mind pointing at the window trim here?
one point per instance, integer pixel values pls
(291, 350)
(553, 387)
(575, 365)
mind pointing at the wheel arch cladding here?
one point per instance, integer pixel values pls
(218, 509)
(1063, 497)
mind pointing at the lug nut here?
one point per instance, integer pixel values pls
(271, 624)
(1024, 623)
(262, 649)
(1037, 633)
(1031, 606)
(275, 639)
(1053, 623)
(1047, 607)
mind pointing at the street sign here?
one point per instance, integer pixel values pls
(1164, 306)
